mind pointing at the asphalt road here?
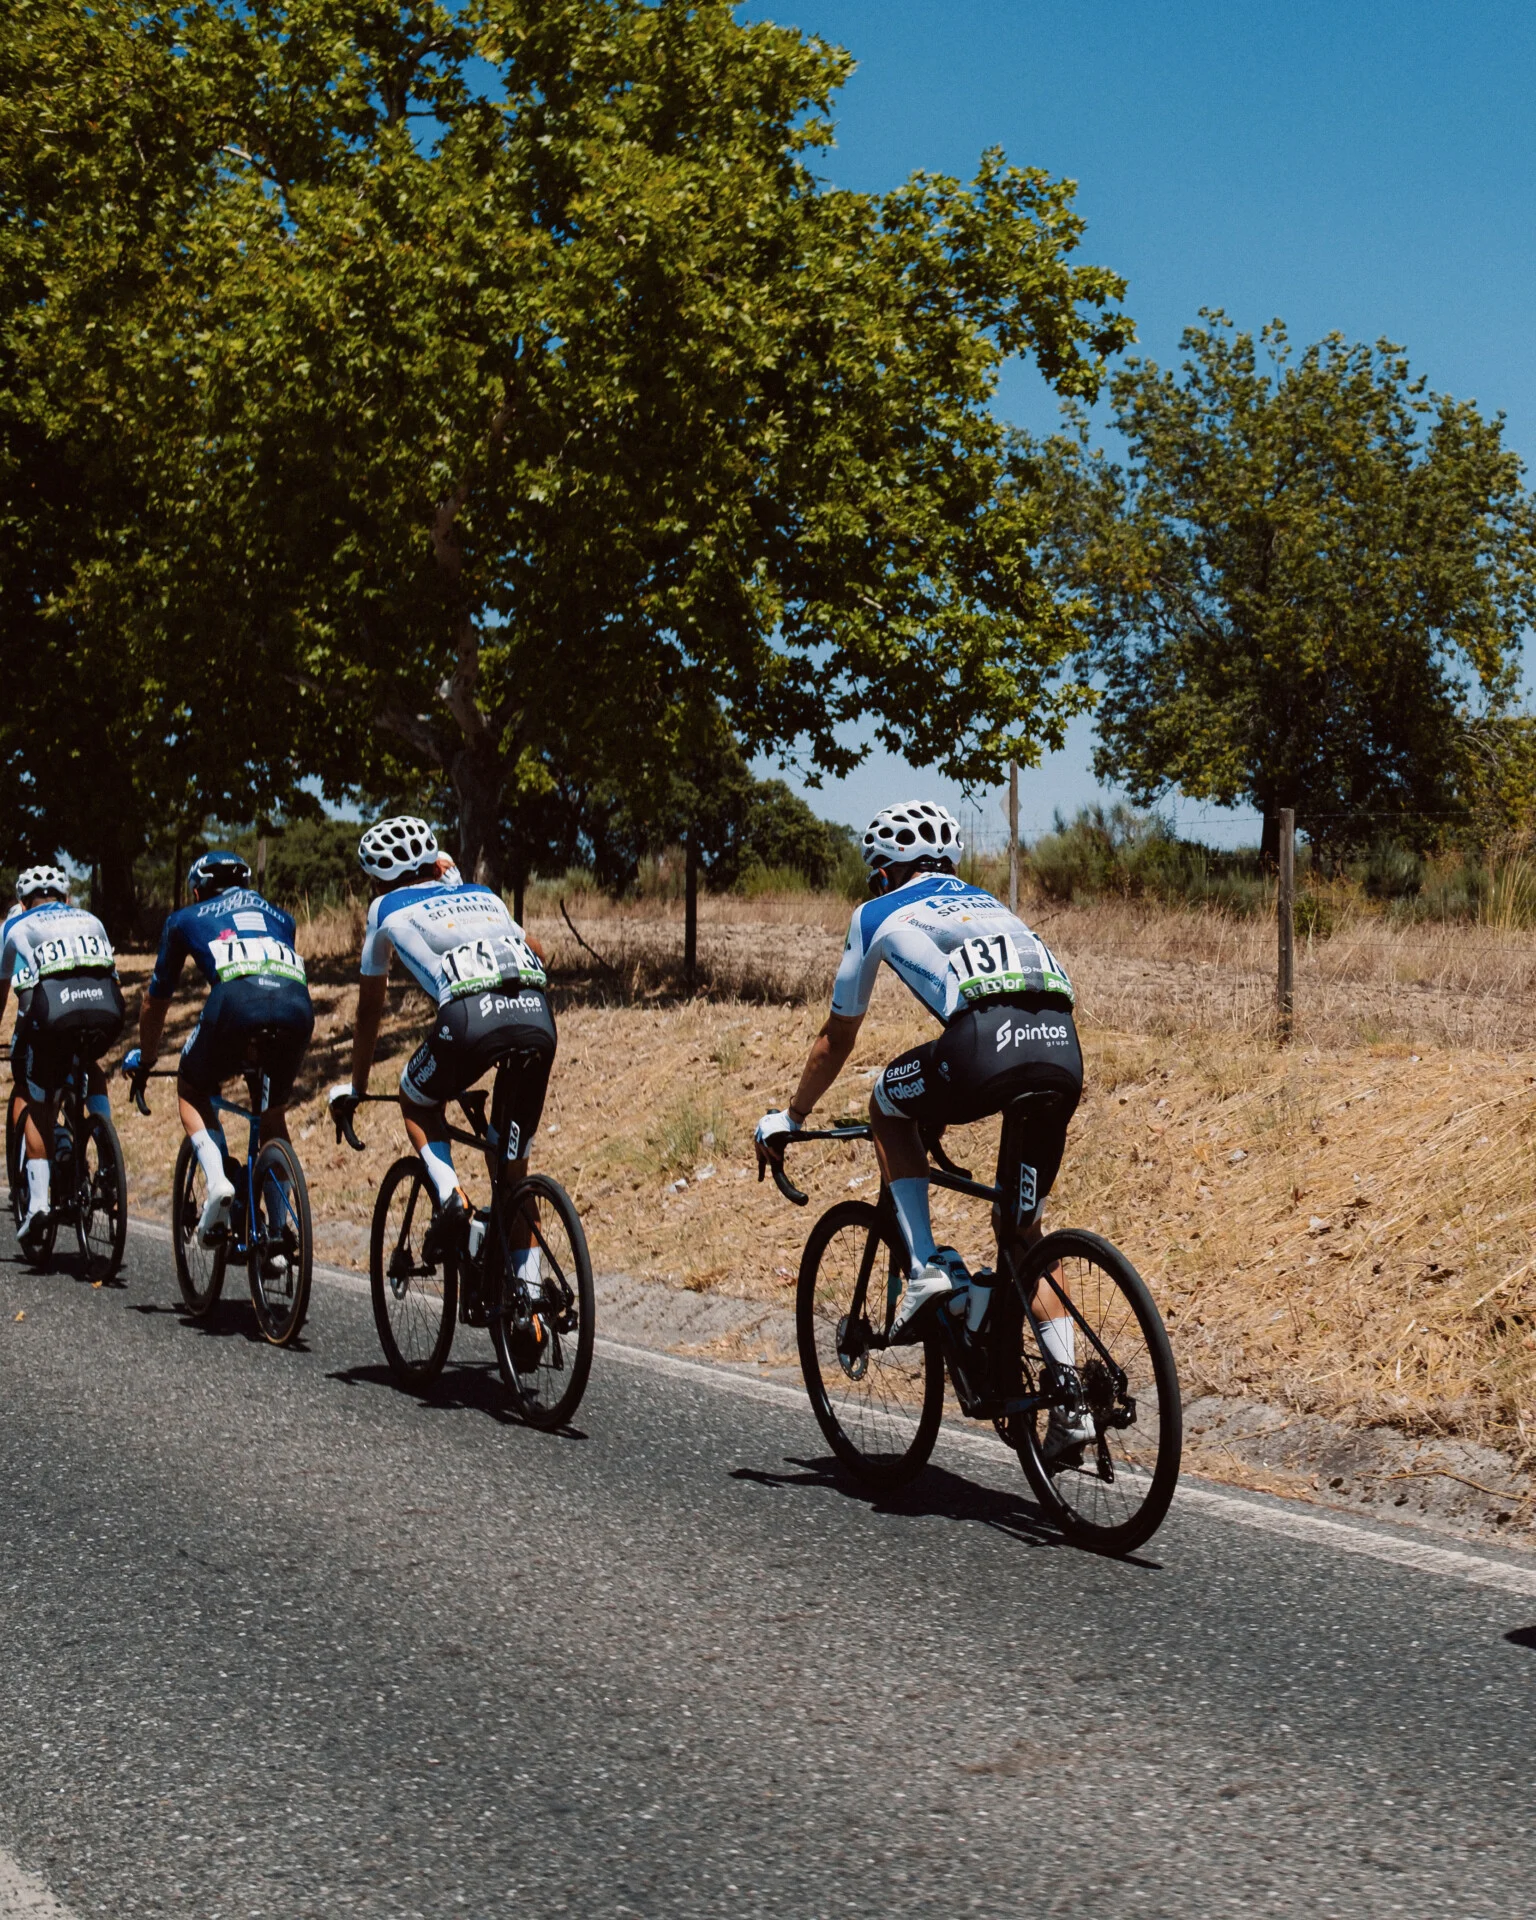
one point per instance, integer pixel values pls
(278, 1640)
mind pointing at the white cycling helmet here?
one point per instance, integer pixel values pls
(909, 832)
(397, 846)
(42, 880)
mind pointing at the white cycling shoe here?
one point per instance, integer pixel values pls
(31, 1230)
(216, 1211)
(1067, 1438)
(943, 1275)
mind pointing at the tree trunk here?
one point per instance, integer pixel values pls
(119, 899)
(479, 774)
(691, 911)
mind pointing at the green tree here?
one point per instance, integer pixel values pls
(1305, 579)
(592, 411)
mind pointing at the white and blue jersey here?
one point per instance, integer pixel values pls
(51, 938)
(454, 940)
(951, 943)
(234, 936)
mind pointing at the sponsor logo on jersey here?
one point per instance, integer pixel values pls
(900, 1069)
(81, 993)
(907, 1090)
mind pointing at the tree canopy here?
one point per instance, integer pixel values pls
(1307, 583)
(455, 386)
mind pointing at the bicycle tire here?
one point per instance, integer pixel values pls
(15, 1150)
(101, 1197)
(281, 1224)
(885, 1434)
(415, 1305)
(199, 1269)
(1112, 1500)
(546, 1373)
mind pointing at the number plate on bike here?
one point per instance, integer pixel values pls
(235, 956)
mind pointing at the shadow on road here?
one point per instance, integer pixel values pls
(230, 1319)
(935, 1492)
(1522, 1637)
(467, 1388)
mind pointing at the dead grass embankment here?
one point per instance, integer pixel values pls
(1348, 1228)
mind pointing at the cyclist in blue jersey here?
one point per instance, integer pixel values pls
(257, 1018)
(486, 982)
(1005, 1006)
(59, 960)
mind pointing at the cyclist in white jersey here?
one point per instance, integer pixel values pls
(60, 961)
(486, 981)
(1005, 1005)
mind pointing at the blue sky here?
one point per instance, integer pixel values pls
(1369, 168)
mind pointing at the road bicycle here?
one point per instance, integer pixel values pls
(88, 1184)
(879, 1402)
(539, 1310)
(270, 1228)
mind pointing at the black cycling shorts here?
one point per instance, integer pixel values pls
(471, 1034)
(980, 1064)
(67, 1015)
(255, 1025)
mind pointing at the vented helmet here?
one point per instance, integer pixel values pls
(35, 880)
(213, 871)
(908, 832)
(397, 846)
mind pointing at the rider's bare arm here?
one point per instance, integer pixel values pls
(151, 1026)
(828, 1056)
(372, 990)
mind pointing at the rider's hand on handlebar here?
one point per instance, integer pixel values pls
(343, 1103)
(772, 1131)
(134, 1063)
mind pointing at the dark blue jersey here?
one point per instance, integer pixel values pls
(234, 936)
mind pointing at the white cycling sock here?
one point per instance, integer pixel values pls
(1058, 1340)
(37, 1185)
(209, 1149)
(527, 1260)
(99, 1104)
(437, 1158)
(910, 1198)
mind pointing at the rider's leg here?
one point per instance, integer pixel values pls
(203, 1129)
(427, 1129)
(904, 1163)
(39, 1130)
(96, 1100)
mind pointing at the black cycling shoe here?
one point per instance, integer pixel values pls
(448, 1233)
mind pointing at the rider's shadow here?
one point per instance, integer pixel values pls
(466, 1388)
(231, 1320)
(935, 1492)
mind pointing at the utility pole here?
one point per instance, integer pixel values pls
(1013, 836)
(1286, 983)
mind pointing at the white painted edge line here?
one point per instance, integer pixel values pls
(24, 1897)
(1289, 1520)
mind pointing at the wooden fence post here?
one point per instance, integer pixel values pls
(1013, 836)
(691, 910)
(1286, 985)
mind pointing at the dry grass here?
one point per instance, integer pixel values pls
(1348, 1228)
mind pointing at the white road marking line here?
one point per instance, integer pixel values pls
(24, 1897)
(1291, 1521)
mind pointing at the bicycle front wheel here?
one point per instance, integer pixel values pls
(879, 1406)
(199, 1269)
(1109, 1493)
(101, 1199)
(281, 1263)
(543, 1334)
(415, 1300)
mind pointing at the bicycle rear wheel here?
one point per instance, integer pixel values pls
(101, 1199)
(199, 1269)
(543, 1335)
(879, 1406)
(1109, 1495)
(282, 1243)
(415, 1301)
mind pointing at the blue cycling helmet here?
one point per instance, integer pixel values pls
(213, 871)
